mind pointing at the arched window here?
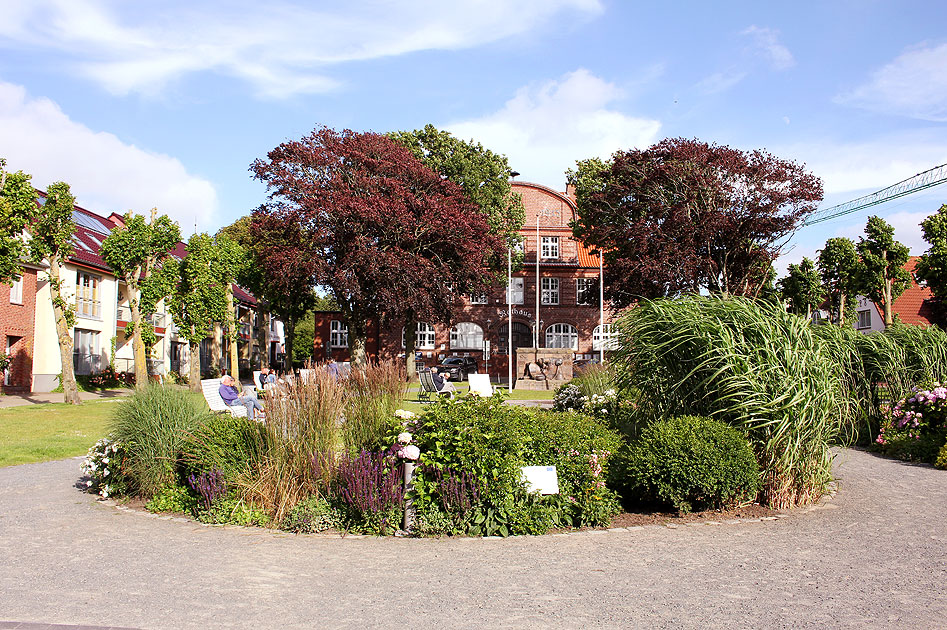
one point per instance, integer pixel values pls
(609, 339)
(466, 336)
(562, 336)
(424, 339)
(522, 337)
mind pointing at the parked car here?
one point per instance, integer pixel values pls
(458, 367)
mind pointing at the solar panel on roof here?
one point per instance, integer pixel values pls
(91, 223)
(81, 244)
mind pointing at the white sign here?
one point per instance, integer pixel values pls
(541, 479)
(486, 349)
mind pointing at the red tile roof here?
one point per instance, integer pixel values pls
(912, 306)
(586, 258)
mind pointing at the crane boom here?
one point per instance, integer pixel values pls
(927, 179)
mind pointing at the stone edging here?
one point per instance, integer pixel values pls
(823, 504)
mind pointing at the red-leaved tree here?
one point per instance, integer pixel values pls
(684, 215)
(390, 238)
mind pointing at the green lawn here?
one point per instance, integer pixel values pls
(40, 433)
(411, 404)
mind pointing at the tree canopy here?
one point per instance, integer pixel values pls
(932, 266)
(17, 211)
(802, 288)
(840, 270)
(883, 276)
(684, 215)
(364, 217)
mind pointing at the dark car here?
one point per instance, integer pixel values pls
(458, 367)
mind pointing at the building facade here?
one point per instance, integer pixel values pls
(552, 302)
(17, 325)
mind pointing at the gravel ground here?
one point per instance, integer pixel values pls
(872, 557)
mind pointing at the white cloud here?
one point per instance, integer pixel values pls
(106, 174)
(720, 81)
(545, 128)
(281, 48)
(914, 85)
(766, 42)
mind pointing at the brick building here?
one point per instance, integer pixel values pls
(17, 325)
(561, 288)
(911, 307)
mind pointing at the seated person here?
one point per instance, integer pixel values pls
(264, 376)
(233, 398)
(442, 382)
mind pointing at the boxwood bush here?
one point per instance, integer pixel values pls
(690, 463)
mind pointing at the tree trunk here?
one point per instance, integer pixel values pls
(841, 310)
(138, 344)
(263, 335)
(289, 334)
(194, 365)
(887, 298)
(234, 335)
(69, 388)
(410, 344)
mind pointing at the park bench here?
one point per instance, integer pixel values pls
(211, 389)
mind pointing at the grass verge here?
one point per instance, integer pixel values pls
(41, 433)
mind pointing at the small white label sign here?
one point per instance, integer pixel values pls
(541, 479)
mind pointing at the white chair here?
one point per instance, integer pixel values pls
(480, 385)
(211, 389)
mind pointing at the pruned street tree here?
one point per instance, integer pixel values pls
(51, 240)
(883, 277)
(684, 216)
(840, 270)
(932, 266)
(135, 251)
(484, 177)
(390, 237)
(230, 261)
(802, 289)
(17, 211)
(197, 298)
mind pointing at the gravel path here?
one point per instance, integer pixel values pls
(873, 557)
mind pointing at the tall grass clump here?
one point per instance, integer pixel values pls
(750, 365)
(301, 437)
(152, 426)
(596, 379)
(373, 393)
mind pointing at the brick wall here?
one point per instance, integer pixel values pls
(16, 325)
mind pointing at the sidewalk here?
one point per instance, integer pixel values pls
(20, 400)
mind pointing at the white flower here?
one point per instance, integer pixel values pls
(105, 460)
(404, 414)
(88, 484)
(411, 452)
(404, 438)
(106, 473)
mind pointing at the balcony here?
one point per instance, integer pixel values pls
(158, 320)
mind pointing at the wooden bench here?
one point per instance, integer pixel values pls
(211, 389)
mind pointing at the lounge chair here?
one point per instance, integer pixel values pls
(211, 389)
(426, 388)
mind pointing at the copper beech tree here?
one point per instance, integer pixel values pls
(360, 214)
(684, 215)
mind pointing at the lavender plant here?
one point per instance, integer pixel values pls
(210, 485)
(370, 488)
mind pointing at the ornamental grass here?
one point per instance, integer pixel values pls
(748, 364)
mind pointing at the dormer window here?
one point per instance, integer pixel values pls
(550, 247)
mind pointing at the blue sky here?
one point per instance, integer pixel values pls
(166, 103)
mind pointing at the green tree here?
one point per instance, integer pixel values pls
(197, 298)
(304, 345)
(51, 239)
(230, 262)
(484, 177)
(932, 266)
(883, 276)
(840, 270)
(135, 252)
(17, 211)
(802, 288)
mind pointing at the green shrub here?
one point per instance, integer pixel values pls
(310, 516)
(689, 463)
(224, 443)
(469, 477)
(173, 498)
(941, 461)
(152, 426)
(232, 509)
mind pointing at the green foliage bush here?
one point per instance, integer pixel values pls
(173, 498)
(152, 426)
(310, 516)
(941, 461)
(691, 463)
(224, 443)
(469, 472)
(231, 509)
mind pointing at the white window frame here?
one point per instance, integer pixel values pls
(88, 299)
(610, 340)
(93, 349)
(550, 291)
(338, 334)
(582, 286)
(466, 336)
(16, 291)
(424, 339)
(867, 322)
(516, 292)
(549, 247)
(558, 334)
(478, 299)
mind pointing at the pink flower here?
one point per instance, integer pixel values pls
(411, 452)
